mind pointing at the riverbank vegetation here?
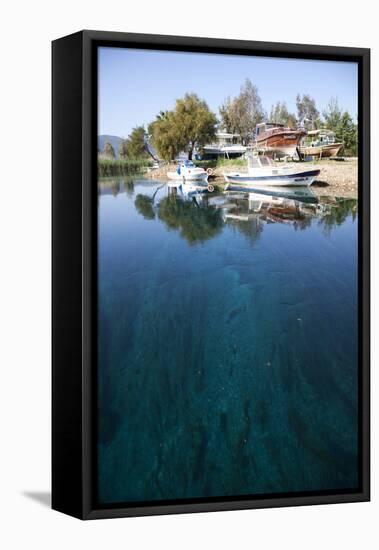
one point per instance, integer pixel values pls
(130, 158)
(107, 167)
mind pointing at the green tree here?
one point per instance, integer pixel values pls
(241, 114)
(347, 132)
(307, 112)
(122, 149)
(135, 144)
(341, 123)
(165, 136)
(108, 150)
(279, 114)
(195, 121)
(190, 124)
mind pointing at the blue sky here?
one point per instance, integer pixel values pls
(134, 85)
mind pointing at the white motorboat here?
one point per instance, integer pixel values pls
(225, 146)
(187, 171)
(262, 170)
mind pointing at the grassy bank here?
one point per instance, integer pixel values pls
(220, 163)
(121, 167)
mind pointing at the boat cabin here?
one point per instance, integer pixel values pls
(262, 127)
(223, 139)
(321, 137)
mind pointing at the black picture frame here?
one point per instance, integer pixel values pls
(74, 294)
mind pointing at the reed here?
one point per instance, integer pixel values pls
(121, 167)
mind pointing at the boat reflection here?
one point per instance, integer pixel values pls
(268, 208)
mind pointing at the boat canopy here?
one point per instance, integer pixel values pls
(259, 161)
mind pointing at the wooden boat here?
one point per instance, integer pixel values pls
(277, 139)
(324, 146)
(263, 171)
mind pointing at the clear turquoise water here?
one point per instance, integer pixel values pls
(227, 346)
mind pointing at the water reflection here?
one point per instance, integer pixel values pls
(337, 210)
(200, 216)
(194, 218)
(115, 186)
(145, 204)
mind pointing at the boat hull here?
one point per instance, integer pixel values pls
(324, 151)
(245, 181)
(282, 144)
(193, 176)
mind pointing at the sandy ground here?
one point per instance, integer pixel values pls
(338, 178)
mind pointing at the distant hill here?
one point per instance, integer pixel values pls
(113, 140)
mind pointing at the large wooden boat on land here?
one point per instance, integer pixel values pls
(277, 139)
(323, 144)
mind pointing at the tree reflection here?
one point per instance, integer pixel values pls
(338, 212)
(115, 186)
(129, 186)
(196, 222)
(251, 228)
(145, 206)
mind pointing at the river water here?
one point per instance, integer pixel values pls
(227, 343)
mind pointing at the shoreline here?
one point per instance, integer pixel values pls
(337, 177)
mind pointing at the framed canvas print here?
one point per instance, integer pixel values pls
(210, 274)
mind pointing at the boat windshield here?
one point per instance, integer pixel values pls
(266, 161)
(259, 162)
